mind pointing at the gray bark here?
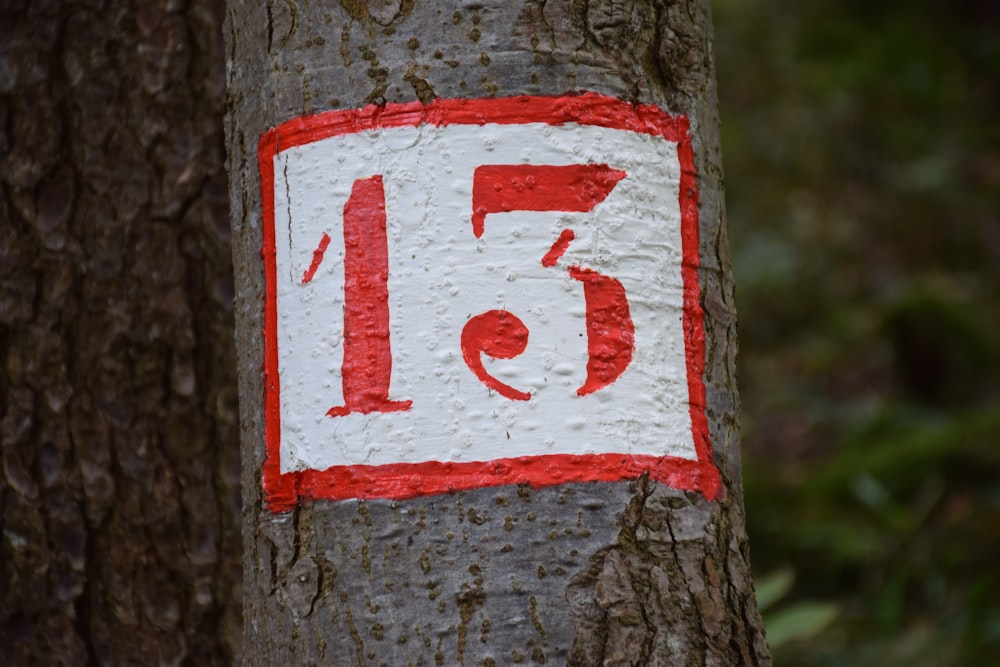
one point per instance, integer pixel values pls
(629, 573)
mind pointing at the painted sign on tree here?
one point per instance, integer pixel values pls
(481, 292)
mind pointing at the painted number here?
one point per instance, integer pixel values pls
(574, 188)
(367, 365)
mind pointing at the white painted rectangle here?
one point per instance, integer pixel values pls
(440, 276)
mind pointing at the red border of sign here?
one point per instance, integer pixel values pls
(407, 480)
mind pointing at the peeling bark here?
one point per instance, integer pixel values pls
(628, 573)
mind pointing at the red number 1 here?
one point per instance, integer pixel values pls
(367, 367)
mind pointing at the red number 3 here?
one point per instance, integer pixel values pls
(610, 330)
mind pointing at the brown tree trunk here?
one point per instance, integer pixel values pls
(616, 573)
(119, 497)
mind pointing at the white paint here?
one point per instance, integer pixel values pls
(440, 275)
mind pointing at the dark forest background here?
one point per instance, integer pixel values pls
(862, 154)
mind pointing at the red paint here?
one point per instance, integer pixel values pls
(285, 490)
(324, 243)
(410, 480)
(610, 331)
(558, 248)
(584, 109)
(574, 188)
(501, 335)
(693, 322)
(367, 366)
(500, 188)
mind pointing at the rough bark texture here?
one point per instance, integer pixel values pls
(586, 574)
(119, 498)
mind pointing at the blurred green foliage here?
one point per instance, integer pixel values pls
(862, 147)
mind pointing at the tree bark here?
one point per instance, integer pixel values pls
(119, 498)
(613, 573)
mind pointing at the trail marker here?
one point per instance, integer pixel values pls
(480, 292)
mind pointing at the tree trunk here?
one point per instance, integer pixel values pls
(118, 503)
(635, 568)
